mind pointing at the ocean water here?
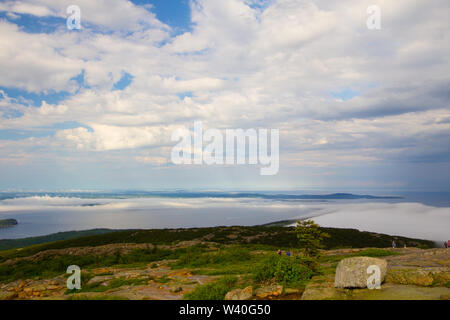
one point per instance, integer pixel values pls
(417, 215)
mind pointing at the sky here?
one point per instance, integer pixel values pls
(94, 109)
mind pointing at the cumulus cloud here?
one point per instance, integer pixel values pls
(110, 14)
(104, 137)
(279, 64)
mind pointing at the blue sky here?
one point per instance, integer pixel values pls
(175, 13)
(95, 108)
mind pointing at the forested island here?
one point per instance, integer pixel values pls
(5, 223)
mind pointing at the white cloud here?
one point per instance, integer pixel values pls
(246, 67)
(104, 137)
(111, 14)
(26, 8)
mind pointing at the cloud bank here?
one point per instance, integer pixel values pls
(56, 214)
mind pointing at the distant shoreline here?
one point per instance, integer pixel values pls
(188, 194)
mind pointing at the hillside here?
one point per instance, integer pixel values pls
(205, 263)
(270, 234)
(6, 244)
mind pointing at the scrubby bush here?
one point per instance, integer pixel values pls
(213, 291)
(283, 269)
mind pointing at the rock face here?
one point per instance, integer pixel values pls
(240, 294)
(321, 288)
(270, 291)
(352, 272)
(260, 293)
(423, 277)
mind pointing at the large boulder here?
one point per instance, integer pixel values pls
(240, 294)
(352, 272)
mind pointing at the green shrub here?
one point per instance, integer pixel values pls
(213, 291)
(283, 269)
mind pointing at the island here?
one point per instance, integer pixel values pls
(5, 223)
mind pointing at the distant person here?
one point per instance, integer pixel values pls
(279, 252)
(445, 244)
(394, 245)
(288, 253)
(404, 246)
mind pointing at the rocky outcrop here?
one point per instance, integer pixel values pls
(269, 291)
(423, 277)
(27, 289)
(240, 294)
(322, 288)
(352, 272)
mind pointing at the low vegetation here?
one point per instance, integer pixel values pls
(274, 236)
(238, 256)
(50, 266)
(284, 270)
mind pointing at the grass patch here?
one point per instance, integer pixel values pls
(52, 266)
(375, 253)
(371, 252)
(163, 279)
(224, 261)
(194, 258)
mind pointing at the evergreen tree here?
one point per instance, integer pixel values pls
(310, 237)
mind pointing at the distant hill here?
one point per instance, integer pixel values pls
(189, 194)
(332, 196)
(24, 242)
